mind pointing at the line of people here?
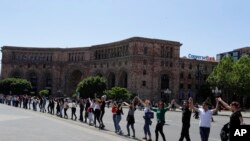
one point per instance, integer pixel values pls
(94, 110)
(205, 117)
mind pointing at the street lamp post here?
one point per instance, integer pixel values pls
(26, 91)
(168, 93)
(59, 92)
(216, 92)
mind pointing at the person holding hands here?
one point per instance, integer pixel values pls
(205, 118)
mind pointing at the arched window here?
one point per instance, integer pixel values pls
(16, 74)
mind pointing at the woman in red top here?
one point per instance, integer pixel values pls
(114, 110)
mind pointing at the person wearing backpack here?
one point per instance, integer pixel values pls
(147, 119)
(119, 114)
(236, 118)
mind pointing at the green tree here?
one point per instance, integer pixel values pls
(15, 86)
(233, 77)
(241, 75)
(91, 85)
(44, 93)
(222, 74)
(118, 93)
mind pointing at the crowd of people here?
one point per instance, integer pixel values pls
(93, 110)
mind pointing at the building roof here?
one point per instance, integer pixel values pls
(132, 39)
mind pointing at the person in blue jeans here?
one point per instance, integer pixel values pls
(119, 114)
(148, 121)
(114, 110)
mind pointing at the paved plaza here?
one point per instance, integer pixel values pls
(26, 125)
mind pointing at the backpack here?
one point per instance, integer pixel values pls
(114, 109)
(224, 133)
(149, 114)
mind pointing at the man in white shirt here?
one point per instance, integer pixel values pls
(205, 119)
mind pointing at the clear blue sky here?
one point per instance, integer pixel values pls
(203, 27)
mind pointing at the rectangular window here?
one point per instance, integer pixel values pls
(181, 75)
(171, 64)
(145, 50)
(143, 83)
(181, 86)
(162, 63)
(235, 54)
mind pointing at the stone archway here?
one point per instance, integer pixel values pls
(47, 81)
(75, 78)
(33, 78)
(16, 74)
(123, 79)
(98, 73)
(111, 80)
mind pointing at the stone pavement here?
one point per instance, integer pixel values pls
(17, 124)
(46, 127)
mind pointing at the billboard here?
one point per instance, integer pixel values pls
(197, 57)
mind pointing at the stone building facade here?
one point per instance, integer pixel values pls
(147, 67)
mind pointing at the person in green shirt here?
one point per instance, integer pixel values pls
(160, 115)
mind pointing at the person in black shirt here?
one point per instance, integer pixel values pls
(103, 104)
(52, 106)
(186, 115)
(236, 117)
(130, 117)
(87, 105)
(81, 110)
